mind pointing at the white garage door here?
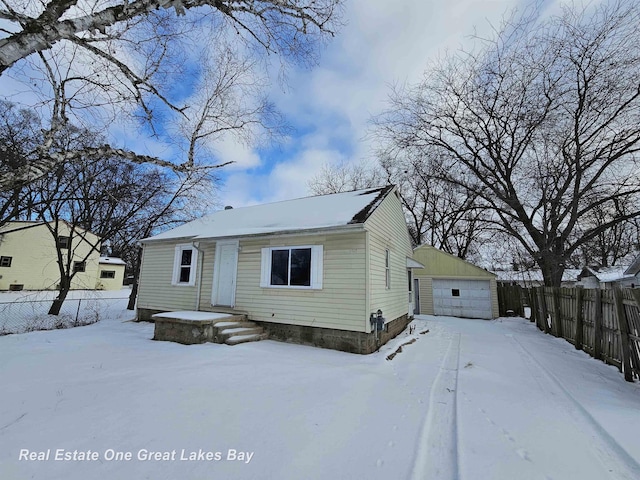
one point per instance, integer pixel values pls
(462, 298)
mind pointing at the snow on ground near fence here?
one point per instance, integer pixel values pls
(470, 399)
(27, 311)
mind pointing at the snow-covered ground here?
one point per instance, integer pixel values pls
(26, 311)
(470, 399)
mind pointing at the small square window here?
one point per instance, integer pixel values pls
(108, 274)
(5, 261)
(455, 292)
(79, 266)
(63, 243)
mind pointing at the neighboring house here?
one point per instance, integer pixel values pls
(110, 273)
(310, 270)
(448, 285)
(609, 277)
(534, 278)
(28, 258)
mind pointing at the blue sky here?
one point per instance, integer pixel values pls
(330, 105)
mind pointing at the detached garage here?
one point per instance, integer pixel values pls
(450, 286)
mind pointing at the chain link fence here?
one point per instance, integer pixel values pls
(22, 316)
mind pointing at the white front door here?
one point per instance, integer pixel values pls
(225, 270)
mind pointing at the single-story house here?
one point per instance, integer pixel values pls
(451, 286)
(312, 270)
(609, 277)
(110, 273)
(532, 278)
(28, 256)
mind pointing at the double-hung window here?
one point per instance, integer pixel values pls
(79, 266)
(5, 261)
(184, 265)
(292, 267)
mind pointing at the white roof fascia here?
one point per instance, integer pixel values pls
(354, 227)
(411, 263)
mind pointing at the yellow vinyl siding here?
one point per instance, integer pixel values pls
(34, 258)
(156, 291)
(110, 283)
(387, 229)
(441, 265)
(426, 295)
(340, 304)
(208, 253)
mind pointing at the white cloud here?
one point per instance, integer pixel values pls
(383, 43)
(243, 156)
(286, 180)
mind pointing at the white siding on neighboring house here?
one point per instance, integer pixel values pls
(387, 230)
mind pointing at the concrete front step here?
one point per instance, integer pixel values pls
(232, 332)
(227, 325)
(237, 339)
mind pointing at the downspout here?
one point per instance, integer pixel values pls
(196, 246)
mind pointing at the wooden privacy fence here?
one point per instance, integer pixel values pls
(603, 323)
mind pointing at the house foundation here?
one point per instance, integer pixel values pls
(189, 332)
(343, 340)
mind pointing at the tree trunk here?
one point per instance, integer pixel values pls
(65, 286)
(552, 267)
(134, 287)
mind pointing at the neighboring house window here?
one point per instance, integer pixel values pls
(184, 265)
(455, 292)
(108, 274)
(63, 242)
(387, 269)
(5, 261)
(79, 266)
(292, 267)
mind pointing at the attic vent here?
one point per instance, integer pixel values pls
(228, 207)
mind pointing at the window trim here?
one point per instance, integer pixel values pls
(112, 272)
(3, 259)
(177, 258)
(67, 242)
(387, 269)
(316, 274)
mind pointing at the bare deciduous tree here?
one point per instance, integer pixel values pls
(445, 216)
(542, 123)
(345, 177)
(93, 62)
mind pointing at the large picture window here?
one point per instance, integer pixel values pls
(292, 267)
(184, 265)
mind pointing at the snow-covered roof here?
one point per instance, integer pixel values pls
(112, 260)
(634, 268)
(309, 213)
(606, 274)
(569, 275)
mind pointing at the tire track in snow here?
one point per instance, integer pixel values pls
(436, 455)
(616, 459)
